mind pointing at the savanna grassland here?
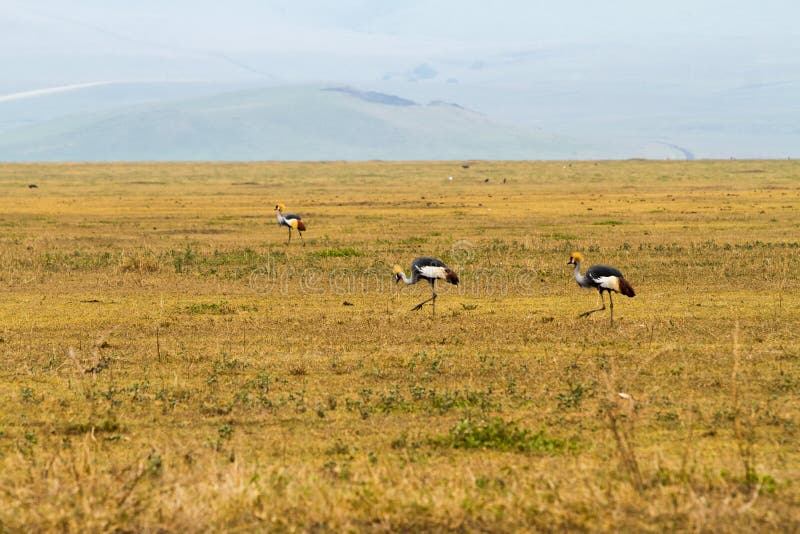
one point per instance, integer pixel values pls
(168, 363)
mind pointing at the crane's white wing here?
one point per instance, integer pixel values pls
(607, 282)
(431, 271)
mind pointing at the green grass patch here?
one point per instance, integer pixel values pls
(336, 253)
(211, 308)
(563, 237)
(500, 435)
(107, 425)
(414, 241)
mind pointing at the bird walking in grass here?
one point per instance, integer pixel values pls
(602, 277)
(429, 269)
(290, 220)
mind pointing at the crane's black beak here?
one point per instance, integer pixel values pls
(396, 278)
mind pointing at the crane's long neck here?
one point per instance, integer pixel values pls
(406, 280)
(581, 279)
(281, 218)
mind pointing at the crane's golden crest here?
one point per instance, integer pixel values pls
(576, 256)
(397, 269)
(279, 207)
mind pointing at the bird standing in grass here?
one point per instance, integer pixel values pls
(290, 220)
(602, 277)
(429, 269)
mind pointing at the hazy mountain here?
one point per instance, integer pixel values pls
(28, 109)
(298, 123)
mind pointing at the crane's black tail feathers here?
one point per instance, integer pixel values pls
(625, 288)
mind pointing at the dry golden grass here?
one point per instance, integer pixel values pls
(169, 364)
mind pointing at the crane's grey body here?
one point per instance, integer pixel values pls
(595, 275)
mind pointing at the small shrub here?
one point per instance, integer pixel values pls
(225, 432)
(571, 398)
(155, 465)
(28, 396)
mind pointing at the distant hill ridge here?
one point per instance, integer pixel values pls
(387, 99)
(283, 123)
(373, 96)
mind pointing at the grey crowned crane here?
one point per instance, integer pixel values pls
(290, 220)
(602, 277)
(429, 269)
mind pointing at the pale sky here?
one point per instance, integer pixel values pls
(762, 32)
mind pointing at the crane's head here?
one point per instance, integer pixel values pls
(575, 258)
(451, 277)
(398, 273)
(279, 207)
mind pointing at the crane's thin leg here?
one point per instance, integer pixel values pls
(602, 301)
(301, 237)
(421, 304)
(290, 236)
(611, 301)
(433, 298)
